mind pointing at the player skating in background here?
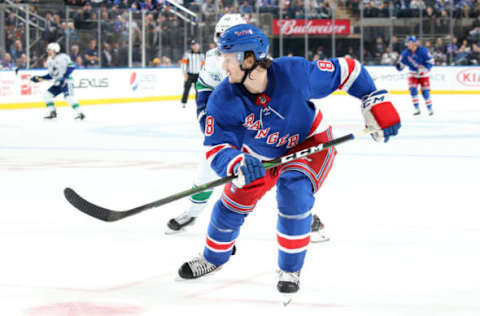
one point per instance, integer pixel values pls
(419, 62)
(263, 111)
(60, 69)
(210, 77)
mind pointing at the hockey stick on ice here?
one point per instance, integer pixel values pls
(112, 216)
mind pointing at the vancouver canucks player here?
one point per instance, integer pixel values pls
(60, 69)
(263, 111)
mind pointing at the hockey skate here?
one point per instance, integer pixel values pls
(197, 267)
(317, 233)
(51, 115)
(288, 284)
(178, 224)
(417, 112)
(430, 112)
(80, 116)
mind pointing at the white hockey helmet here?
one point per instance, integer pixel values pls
(54, 47)
(225, 22)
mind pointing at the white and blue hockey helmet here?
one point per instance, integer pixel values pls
(225, 22)
(53, 47)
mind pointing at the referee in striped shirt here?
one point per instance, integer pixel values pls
(192, 62)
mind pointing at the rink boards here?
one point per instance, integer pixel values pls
(125, 85)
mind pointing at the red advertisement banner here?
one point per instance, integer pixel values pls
(313, 27)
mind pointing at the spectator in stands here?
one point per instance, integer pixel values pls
(474, 34)
(79, 62)
(462, 56)
(22, 61)
(440, 45)
(428, 45)
(75, 52)
(7, 62)
(439, 57)
(452, 48)
(208, 7)
(396, 45)
(106, 55)
(476, 8)
(475, 55)
(246, 8)
(11, 20)
(166, 61)
(389, 57)
(91, 54)
(320, 53)
(430, 13)
(297, 10)
(378, 49)
(16, 51)
(370, 11)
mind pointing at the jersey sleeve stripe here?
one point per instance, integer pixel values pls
(352, 68)
(316, 122)
(211, 153)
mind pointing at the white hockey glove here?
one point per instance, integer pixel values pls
(380, 115)
(422, 70)
(248, 169)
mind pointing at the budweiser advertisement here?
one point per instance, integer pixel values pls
(293, 27)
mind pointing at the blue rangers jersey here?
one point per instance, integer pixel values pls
(269, 124)
(418, 63)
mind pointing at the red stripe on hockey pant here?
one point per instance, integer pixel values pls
(293, 244)
(219, 246)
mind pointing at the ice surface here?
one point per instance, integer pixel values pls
(403, 218)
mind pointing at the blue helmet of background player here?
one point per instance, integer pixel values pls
(412, 39)
(243, 38)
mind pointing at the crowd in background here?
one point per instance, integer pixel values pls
(78, 27)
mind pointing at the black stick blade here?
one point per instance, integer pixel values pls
(91, 209)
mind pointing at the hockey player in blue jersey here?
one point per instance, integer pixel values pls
(419, 62)
(210, 77)
(263, 111)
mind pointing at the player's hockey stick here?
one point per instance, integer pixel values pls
(112, 216)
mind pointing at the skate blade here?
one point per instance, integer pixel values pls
(169, 231)
(318, 238)
(287, 299)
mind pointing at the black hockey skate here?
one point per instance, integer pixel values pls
(317, 230)
(80, 116)
(52, 115)
(197, 267)
(417, 112)
(288, 284)
(177, 224)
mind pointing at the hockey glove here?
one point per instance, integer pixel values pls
(380, 115)
(421, 70)
(399, 66)
(36, 79)
(248, 169)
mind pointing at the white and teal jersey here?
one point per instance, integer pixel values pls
(211, 74)
(58, 66)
